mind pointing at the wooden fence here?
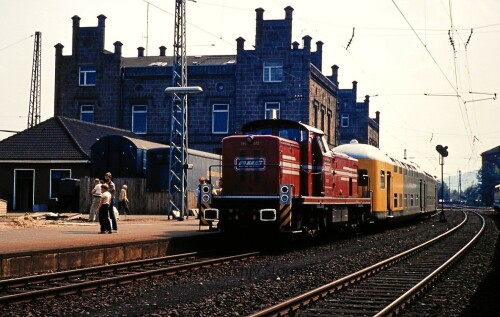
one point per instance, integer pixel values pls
(141, 201)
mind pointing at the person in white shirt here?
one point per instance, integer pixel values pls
(96, 197)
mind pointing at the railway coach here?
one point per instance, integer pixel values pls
(399, 188)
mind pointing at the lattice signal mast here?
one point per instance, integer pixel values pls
(178, 159)
(36, 83)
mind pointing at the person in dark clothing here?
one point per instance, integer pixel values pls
(103, 210)
(112, 190)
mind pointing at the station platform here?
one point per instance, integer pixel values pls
(31, 246)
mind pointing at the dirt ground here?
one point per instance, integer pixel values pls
(32, 220)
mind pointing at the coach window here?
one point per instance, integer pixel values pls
(411, 200)
(382, 179)
(87, 76)
(406, 200)
(220, 118)
(395, 200)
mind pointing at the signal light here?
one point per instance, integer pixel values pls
(443, 150)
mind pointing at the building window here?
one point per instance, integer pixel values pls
(55, 180)
(87, 113)
(140, 119)
(273, 71)
(272, 110)
(87, 76)
(220, 118)
(329, 126)
(344, 123)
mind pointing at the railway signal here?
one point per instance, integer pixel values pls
(443, 152)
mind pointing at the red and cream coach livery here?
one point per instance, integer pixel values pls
(281, 175)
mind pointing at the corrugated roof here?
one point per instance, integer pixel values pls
(57, 138)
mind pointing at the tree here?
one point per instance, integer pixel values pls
(446, 191)
(471, 195)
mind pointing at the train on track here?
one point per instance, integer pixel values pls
(281, 176)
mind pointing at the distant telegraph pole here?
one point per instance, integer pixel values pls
(35, 93)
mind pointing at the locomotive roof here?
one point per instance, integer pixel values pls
(250, 126)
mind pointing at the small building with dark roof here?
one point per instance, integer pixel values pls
(33, 162)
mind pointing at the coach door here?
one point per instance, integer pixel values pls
(389, 193)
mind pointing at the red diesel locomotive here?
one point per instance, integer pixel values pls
(280, 175)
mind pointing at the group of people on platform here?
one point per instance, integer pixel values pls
(103, 201)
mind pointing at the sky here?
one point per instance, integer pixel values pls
(431, 67)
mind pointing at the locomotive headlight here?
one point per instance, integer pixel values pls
(249, 139)
(205, 189)
(285, 194)
(205, 198)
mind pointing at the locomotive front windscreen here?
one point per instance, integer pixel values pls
(291, 133)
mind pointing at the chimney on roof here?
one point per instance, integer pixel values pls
(335, 74)
(118, 48)
(319, 55)
(307, 43)
(240, 44)
(288, 13)
(101, 25)
(162, 50)
(258, 26)
(59, 49)
(140, 51)
(76, 33)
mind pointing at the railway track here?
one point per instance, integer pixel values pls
(26, 289)
(387, 287)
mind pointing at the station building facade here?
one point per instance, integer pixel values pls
(276, 76)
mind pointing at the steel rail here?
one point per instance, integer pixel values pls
(314, 295)
(76, 286)
(397, 305)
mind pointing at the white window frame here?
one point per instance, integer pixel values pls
(344, 121)
(136, 111)
(215, 112)
(50, 181)
(84, 72)
(272, 71)
(272, 105)
(86, 112)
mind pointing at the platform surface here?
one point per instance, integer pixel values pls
(39, 235)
